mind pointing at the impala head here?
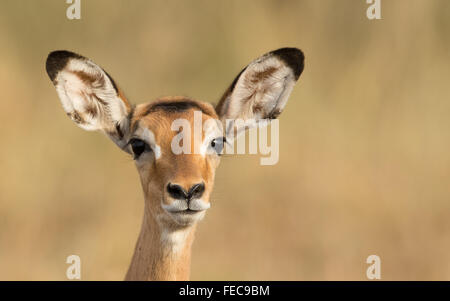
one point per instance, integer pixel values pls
(177, 187)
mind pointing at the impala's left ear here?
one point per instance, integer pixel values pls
(261, 89)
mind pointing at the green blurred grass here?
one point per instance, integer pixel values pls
(364, 157)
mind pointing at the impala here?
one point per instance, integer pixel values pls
(177, 186)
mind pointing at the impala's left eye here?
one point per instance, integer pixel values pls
(217, 144)
(138, 146)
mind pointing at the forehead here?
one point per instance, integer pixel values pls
(160, 114)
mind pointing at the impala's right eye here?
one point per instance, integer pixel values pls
(138, 146)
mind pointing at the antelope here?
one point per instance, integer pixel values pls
(177, 187)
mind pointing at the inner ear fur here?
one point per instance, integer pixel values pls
(89, 95)
(261, 89)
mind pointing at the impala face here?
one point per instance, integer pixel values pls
(177, 186)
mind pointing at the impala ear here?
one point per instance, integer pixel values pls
(89, 95)
(261, 90)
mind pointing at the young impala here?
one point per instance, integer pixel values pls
(176, 187)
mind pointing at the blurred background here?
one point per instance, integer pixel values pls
(364, 149)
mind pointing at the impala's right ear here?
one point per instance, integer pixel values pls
(89, 95)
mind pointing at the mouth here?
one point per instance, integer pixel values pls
(187, 216)
(187, 212)
(186, 207)
(184, 212)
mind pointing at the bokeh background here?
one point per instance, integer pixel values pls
(364, 149)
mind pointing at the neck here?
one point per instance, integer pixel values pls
(161, 253)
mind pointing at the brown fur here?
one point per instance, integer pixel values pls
(153, 260)
(90, 78)
(259, 76)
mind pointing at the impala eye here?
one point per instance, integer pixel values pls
(217, 144)
(138, 146)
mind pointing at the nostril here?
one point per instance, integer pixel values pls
(196, 191)
(177, 192)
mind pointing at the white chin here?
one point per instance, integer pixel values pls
(187, 218)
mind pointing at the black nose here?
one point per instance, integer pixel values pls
(196, 191)
(177, 192)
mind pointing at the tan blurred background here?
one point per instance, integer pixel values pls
(364, 149)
